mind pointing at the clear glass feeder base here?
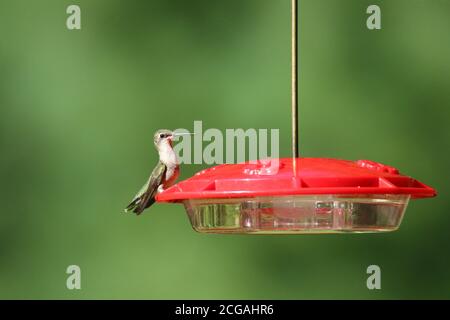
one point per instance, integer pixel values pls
(298, 214)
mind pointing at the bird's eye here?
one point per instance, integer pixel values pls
(161, 135)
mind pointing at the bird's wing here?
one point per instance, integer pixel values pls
(146, 196)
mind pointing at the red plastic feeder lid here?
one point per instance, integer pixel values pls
(314, 176)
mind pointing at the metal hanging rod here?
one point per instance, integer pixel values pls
(294, 70)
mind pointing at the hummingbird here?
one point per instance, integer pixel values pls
(163, 175)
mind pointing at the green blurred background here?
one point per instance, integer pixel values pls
(78, 110)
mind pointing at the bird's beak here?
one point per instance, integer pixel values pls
(178, 134)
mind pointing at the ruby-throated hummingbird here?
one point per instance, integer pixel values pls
(163, 175)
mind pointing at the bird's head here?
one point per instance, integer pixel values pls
(164, 136)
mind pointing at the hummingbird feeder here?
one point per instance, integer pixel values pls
(296, 195)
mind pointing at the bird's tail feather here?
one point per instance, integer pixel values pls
(137, 206)
(132, 205)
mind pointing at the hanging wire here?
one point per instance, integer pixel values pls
(294, 90)
(294, 71)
